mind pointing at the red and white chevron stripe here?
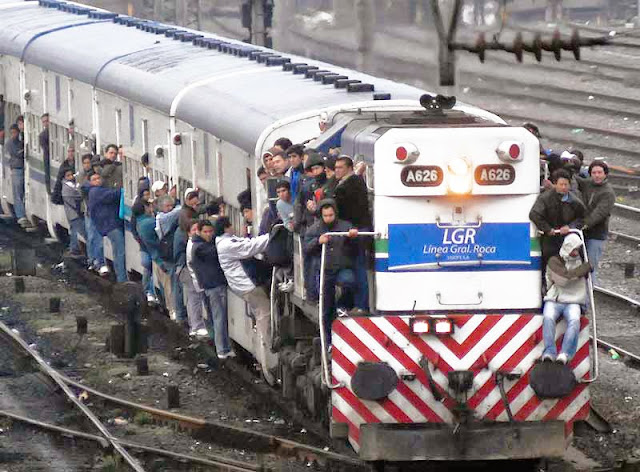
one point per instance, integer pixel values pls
(484, 344)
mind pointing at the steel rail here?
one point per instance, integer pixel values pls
(626, 211)
(53, 374)
(618, 296)
(633, 241)
(280, 446)
(607, 345)
(221, 463)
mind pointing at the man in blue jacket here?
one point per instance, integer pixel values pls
(104, 204)
(210, 277)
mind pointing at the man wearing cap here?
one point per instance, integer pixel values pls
(305, 210)
(599, 198)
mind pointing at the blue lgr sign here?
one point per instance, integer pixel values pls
(415, 245)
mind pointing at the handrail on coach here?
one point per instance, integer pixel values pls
(594, 338)
(326, 375)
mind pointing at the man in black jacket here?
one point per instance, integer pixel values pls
(352, 200)
(340, 260)
(210, 277)
(15, 149)
(599, 198)
(555, 212)
(111, 169)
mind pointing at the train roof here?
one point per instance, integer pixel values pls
(228, 95)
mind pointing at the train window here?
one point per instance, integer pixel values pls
(205, 155)
(58, 99)
(132, 125)
(118, 126)
(145, 136)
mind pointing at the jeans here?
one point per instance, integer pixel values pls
(571, 313)
(116, 236)
(147, 274)
(594, 252)
(17, 185)
(178, 296)
(76, 226)
(94, 242)
(347, 280)
(215, 301)
(195, 301)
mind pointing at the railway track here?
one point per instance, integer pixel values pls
(634, 306)
(105, 439)
(258, 442)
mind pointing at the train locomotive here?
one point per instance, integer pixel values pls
(440, 368)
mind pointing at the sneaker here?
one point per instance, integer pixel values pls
(23, 221)
(172, 315)
(151, 299)
(547, 358)
(192, 334)
(227, 355)
(358, 312)
(562, 358)
(202, 333)
(104, 270)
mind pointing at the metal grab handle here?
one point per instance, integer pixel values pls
(326, 375)
(439, 298)
(476, 224)
(594, 332)
(272, 297)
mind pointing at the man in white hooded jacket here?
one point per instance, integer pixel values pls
(566, 296)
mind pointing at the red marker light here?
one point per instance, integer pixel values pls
(514, 151)
(401, 153)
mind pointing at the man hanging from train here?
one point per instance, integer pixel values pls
(72, 198)
(556, 212)
(104, 205)
(111, 169)
(599, 198)
(352, 200)
(15, 149)
(340, 263)
(566, 296)
(68, 164)
(233, 252)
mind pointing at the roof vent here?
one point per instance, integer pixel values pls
(333, 78)
(262, 58)
(189, 37)
(170, 33)
(303, 69)
(360, 87)
(311, 73)
(382, 96)
(245, 51)
(103, 15)
(343, 83)
(60, 5)
(289, 66)
(320, 74)
(277, 60)
(160, 29)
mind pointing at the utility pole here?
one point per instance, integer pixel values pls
(446, 53)
(257, 16)
(365, 31)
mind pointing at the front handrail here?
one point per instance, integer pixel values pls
(326, 375)
(594, 332)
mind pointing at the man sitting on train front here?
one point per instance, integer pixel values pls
(566, 295)
(340, 261)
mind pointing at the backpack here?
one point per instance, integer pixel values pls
(279, 251)
(165, 245)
